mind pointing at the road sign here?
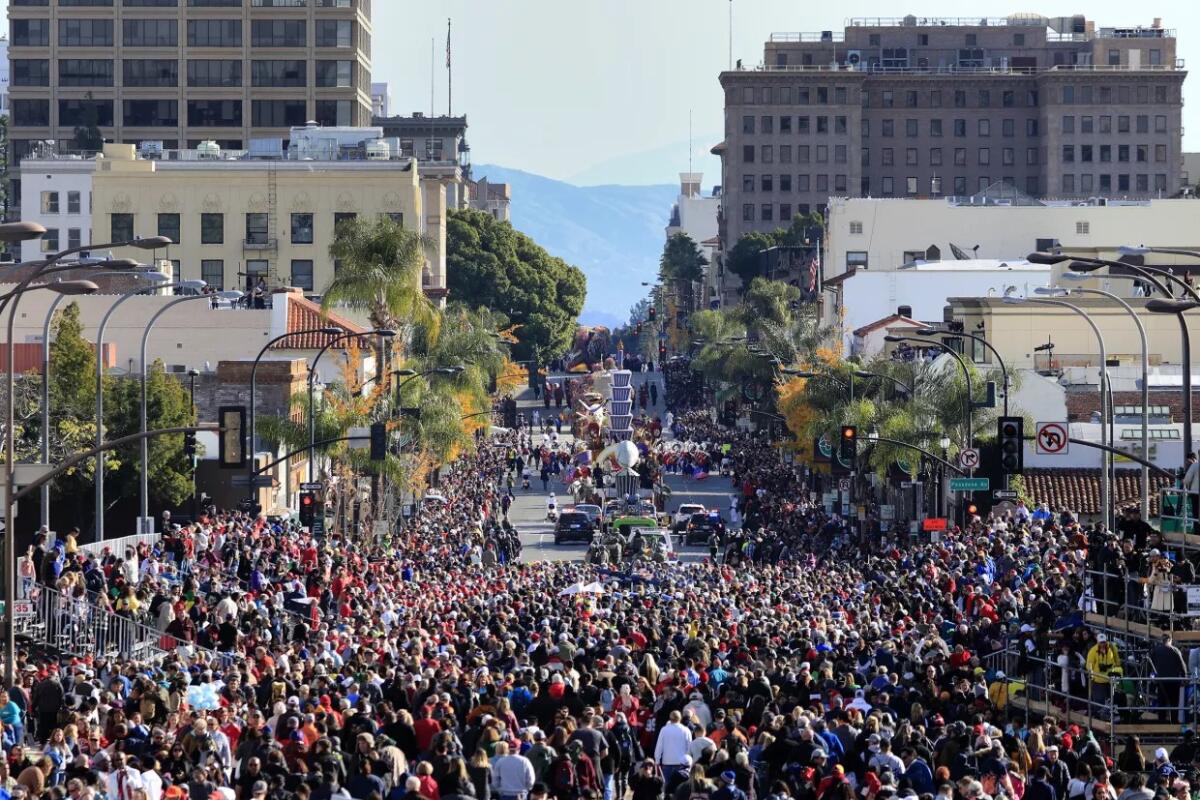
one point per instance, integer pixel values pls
(260, 481)
(844, 485)
(1052, 439)
(1004, 494)
(934, 524)
(968, 458)
(316, 486)
(23, 609)
(969, 484)
(911, 484)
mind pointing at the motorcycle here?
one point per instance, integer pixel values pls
(552, 513)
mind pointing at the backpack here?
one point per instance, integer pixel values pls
(564, 781)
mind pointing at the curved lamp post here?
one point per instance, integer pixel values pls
(386, 333)
(1145, 482)
(985, 343)
(111, 266)
(1105, 487)
(970, 402)
(1158, 278)
(161, 283)
(328, 330)
(145, 443)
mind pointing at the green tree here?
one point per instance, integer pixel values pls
(380, 266)
(168, 405)
(87, 134)
(680, 265)
(743, 259)
(492, 265)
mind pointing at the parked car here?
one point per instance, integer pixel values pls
(573, 526)
(684, 514)
(592, 511)
(701, 526)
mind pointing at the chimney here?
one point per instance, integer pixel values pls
(1157, 23)
(905, 311)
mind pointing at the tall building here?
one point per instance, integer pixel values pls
(922, 107)
(381, 99)
(185, 72)
(3, 75)
(695, 214)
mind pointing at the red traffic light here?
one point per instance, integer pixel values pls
(306, 500)
(972, 509)
(848, 432)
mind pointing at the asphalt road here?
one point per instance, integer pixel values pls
(528, 512)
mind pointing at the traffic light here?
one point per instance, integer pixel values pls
(232, 438)
(378, 441)
(308, 507)
(848, 450)
(189, 444)
(662, 352)
(639, 329)
(653, 313)
(1011, 439)
(972, 509)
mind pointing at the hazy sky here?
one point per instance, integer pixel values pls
(559, 86)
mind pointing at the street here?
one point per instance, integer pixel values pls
(528, 512)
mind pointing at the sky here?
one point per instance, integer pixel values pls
(568, 88)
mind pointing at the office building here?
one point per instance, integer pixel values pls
(235, 219)
(917, 107)
(695, 214)
(381, 99)
(4, 78)
(185, 72)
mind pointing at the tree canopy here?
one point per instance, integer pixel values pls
(743, 259)
(492, 265)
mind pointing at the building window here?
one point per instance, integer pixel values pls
(785, 154)
(839, 154)
(214, 33)
(30, 33)
(150, 72)
(279, 33)
(73, 203)
(80, 112)
(122, 227)
(910, 128)
(768, 183)
(31, 72)
(935, 127)
(935, 156)
(151, 113)
(768, 212)
(822, 183)
(1031, 156)
(35, 113)
(50, 241)
(212, 272)
(747, 154)
(1082, 228)
(960, 128)
(889, 128)
(785, 212)
(85, 33)
(302, 274)
(856, 259)
(337, 33)
(1068, 184)
(1068, 153)
(985, 127)
(856, 228)
(1086, 183)
(985, 156)
(338, 74)
(277, 113)
(150, 33)
(1122, 124)
(785, 183)
(215, 113)
(802, 183)
(785, 124)
(85, 72)
(910, 185)
(1123, 182)
(168, 226)
(768, 125)
(214, 73)
(212, 229)
(822, 154)
(256, 228)
(910, 157)
(342, 216)
(888, 157)
(278, 73)
(768, 154)
(1008, 157)
(748, 184)
(747, 212)
(960, 185)
(49, 202)
(887, 186)
(74, 238)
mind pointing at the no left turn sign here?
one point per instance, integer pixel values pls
(1052, 439)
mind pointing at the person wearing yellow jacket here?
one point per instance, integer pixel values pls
(1103, 663)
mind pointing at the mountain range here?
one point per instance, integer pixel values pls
(613, 233)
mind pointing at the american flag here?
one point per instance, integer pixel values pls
(814, 267)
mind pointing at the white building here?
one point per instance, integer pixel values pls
(862, 297)
(696, 215)
(884, 234)
(381, 99)
(4, 75)
(59, 199)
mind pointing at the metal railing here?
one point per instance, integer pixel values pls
(119, 544)
(946, 22)
(955, 69)
(1137, 606)
(84, 624)
(809, 36)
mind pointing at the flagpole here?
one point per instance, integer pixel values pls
(449, 75)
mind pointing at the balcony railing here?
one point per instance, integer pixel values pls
(952, 69)
(946, 22)
(809, 36)
(259, 244)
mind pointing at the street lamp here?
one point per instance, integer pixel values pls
(985, 343)
(970, 404)
(1145, 482)
(145, 443)
(1127, 250)
(192, 375)
(1158, 278)
(1105, 487)
(45, 437)
(385, 333)
(328, 330)
(160, 282)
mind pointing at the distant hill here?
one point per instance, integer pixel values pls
(615, 234)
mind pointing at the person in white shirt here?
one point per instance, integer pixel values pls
(512, 775)
(671, 750)
(122, 780)
(152, 783)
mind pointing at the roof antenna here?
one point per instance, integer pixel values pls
(691, 146)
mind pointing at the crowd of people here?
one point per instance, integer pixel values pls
(434, 664)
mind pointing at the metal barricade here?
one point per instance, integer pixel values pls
(117, 546)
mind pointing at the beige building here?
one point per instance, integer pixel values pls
(1016, 330)
(878, 234)
(922, 107)
(235, 221)
(183, 72)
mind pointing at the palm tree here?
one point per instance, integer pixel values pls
(380, 264)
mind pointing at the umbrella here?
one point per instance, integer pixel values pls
(582, 588)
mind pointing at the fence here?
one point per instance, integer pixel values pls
(83, 625)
